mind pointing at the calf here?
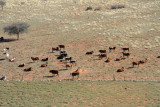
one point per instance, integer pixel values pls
(111, 48)
(136, 63)
(118, 59)
(54, 72)
(143, 61)
(44, 65)
(55, 49)
(125, 54)
(69, 65)
(125, 49)
(44, 59)
(35, 58)
(120, 70)
(108, 60)
(12, 60)
(28, 69)
(89, 53)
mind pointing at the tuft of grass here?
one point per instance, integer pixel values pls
(97, 8)
(117, 6)
(89, 8)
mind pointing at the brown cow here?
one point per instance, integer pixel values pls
(28, 69)
(69, 65)
(143, 61)
(108, 60)
(120, 70)
(55, 49)
(136, 63)
(44, 65)
(35, 58)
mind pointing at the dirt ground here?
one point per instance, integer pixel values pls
(53, 23)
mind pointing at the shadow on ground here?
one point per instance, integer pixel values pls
(8, 40)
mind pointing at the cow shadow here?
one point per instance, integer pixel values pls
(158, 56)
(50, 52)
(130, 68)
(8, 40)
(48, 76)
(63, 69)
(68, 79)
(1, 59)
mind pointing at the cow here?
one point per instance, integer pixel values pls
(55, 49)
(44, 65)
(28, 69)
(61, 47)
(125, 49)
(35, 58)
(136, 63)
(54, 72)
(111, 48)
(44, 59)
(120, 70)
(21, 65)
(89, 53)
(125, 54)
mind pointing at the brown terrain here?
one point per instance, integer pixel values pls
(52, 23)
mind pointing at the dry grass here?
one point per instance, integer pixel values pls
(54, 23)
(79, 94)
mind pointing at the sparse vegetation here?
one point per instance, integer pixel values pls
(89, 8)
(16, 28)
(65, 93)
(117, 6)
(22, 3)
(2, 4)
(97, 8)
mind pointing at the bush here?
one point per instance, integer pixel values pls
(2, 3)
(117, 6)
(97, 8)
(89, 8)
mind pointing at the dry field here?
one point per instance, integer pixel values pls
(52, 23)
(79, 94)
